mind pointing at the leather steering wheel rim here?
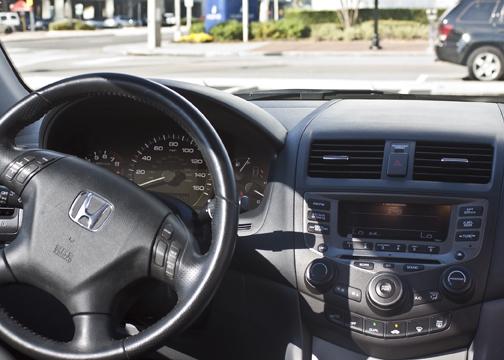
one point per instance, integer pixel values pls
(197, 276)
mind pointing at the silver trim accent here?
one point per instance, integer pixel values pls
(455, 160)
(90, 220)
(336, 157)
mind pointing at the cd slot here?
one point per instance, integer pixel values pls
(389, 259)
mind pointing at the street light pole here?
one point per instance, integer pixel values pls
(275, 10)
(375, 42)
(245, 20)
(153, 23)
(177, 11)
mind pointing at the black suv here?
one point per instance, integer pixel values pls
(472, 34)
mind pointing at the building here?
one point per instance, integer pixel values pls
(98, 9)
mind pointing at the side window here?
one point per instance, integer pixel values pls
(3, 18)
(479, 12)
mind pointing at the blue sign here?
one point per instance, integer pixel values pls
(219, 11)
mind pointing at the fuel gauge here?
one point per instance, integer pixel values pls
(250, 181)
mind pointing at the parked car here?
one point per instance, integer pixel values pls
(10, 19)
(40, 24)
(472, 34)
(169, 19)
(119, 22)
(6, 29)
(96, 23)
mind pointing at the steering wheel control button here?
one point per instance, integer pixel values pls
(457, 280)
(318, 216)
(439, 322)
(171, 260)
(160, 253)
(315, 228)
(25, 172)
(320, 274)
(316, 204)
(467, 236)
(374, 328)
(366, 265)
(395, 329)
(385, 291)
(418, 327)
(425, 297)
(413, 267)
(348, 292)
(471, 211)
(469, 223)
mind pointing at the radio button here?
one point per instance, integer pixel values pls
(471, 211)
(357, 245)
(383, 247)
(399, 248)
(348, 292)
(413, 267)
(318, 216)
(467, 236)
(469, 224)
(417, 248)
(367, 265)
(318, 228)
(319, 204)
(374, 327)
(388, 265)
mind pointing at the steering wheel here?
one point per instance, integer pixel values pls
(88, 233)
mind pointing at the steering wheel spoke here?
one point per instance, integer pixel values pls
(92, 331)
(6, 274)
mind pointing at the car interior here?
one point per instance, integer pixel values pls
(157, 219)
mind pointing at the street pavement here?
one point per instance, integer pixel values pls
(406, 68)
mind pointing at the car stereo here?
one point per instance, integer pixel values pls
(394, 221)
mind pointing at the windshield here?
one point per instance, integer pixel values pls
(443, 47)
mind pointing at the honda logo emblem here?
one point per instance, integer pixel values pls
(90, 210)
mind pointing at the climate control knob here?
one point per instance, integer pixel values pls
(385, 292)
(320, 274)
(457, 282)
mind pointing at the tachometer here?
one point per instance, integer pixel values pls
(106, 159)
(172, 164)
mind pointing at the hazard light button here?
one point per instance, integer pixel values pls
(397, 164)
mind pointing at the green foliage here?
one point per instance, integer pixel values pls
(282, 29)
(197, 27)
(311, 17)
(69, 24)
(226, 31)
(389, 29)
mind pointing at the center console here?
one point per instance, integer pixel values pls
(395, 223)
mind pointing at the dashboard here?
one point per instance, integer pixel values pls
(374, 224)
(138, 143)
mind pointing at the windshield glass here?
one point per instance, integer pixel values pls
(443, 47)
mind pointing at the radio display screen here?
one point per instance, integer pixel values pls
(393, 221)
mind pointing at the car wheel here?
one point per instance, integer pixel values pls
(486, 64)
(8, 30)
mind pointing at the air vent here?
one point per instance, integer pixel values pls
(355, 159)
(453, 162)
(244, 227)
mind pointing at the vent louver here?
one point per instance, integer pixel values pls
(453, 162)
(346, 159)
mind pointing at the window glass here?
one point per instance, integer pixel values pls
(478, 12)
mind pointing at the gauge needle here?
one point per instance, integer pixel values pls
(152, 181)
(258, 193)
(244, 165)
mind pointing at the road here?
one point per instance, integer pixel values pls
(44, 60)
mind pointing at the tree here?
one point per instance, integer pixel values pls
(349, 12)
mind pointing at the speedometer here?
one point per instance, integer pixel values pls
(172, 164)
